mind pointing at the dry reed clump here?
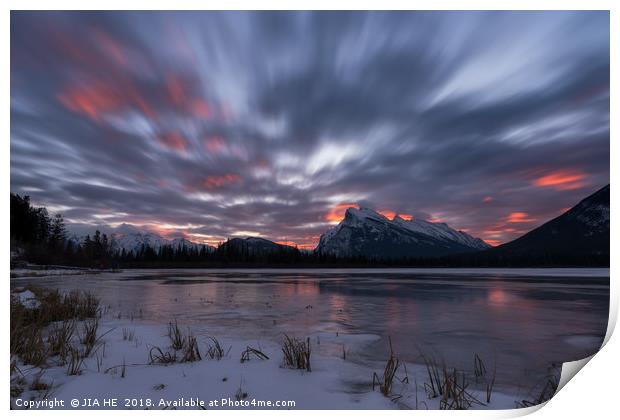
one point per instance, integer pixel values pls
(389, 374)
(479, 368)
(37, 384)
(75, 362)
(215, 350)
(452, 386)
(296, 353)
(32, 349)
(157, 356)
(18, 381)
(184, 348)
(249, 351)
(545, 391)
(481, 374)
(59, 339)
(27, 323)
(434, 386)
(177, 339)
(89, 335)
(55, 306)
(454, 394)
(191, 352)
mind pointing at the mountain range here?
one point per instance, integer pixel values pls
(131, 238)
(581, 232)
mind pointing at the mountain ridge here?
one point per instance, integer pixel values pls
(580, 235)
(581, 231)
(365, 232)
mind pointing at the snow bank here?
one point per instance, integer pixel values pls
(27, 298)
(120, 370)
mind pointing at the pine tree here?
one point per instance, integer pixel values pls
(58, 232)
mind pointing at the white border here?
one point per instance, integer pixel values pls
(593, 394)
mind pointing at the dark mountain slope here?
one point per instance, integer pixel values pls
(581, 234)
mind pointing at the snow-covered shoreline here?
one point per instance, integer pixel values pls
(120, 370)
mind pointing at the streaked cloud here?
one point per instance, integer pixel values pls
(209, 124)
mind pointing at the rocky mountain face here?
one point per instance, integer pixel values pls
(364, 232)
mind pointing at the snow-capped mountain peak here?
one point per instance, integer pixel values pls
(353, 216)
(442, 231)
(132, 238)
(364, 231)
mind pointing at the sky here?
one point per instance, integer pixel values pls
(210, 125)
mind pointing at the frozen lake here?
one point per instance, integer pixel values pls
(523, 320)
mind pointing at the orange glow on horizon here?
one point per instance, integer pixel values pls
(294, 244)
(562, 180)
(336, 214)
(287, 243)
(387, 213)
(392, 214)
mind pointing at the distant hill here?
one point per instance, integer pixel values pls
(254, 246)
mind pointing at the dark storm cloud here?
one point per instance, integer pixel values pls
(229, 123)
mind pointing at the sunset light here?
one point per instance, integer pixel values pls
(336, 214)
(562, 180)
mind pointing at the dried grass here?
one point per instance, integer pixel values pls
(454, 395)
(27, 323)
(59, 339)
(296, 353)
(191, 352)
(177, 339)
(215, 350)
(541, 394)
(89, 335)
(157, 356)
(249, 352)
(389, 373)
(75, 362)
